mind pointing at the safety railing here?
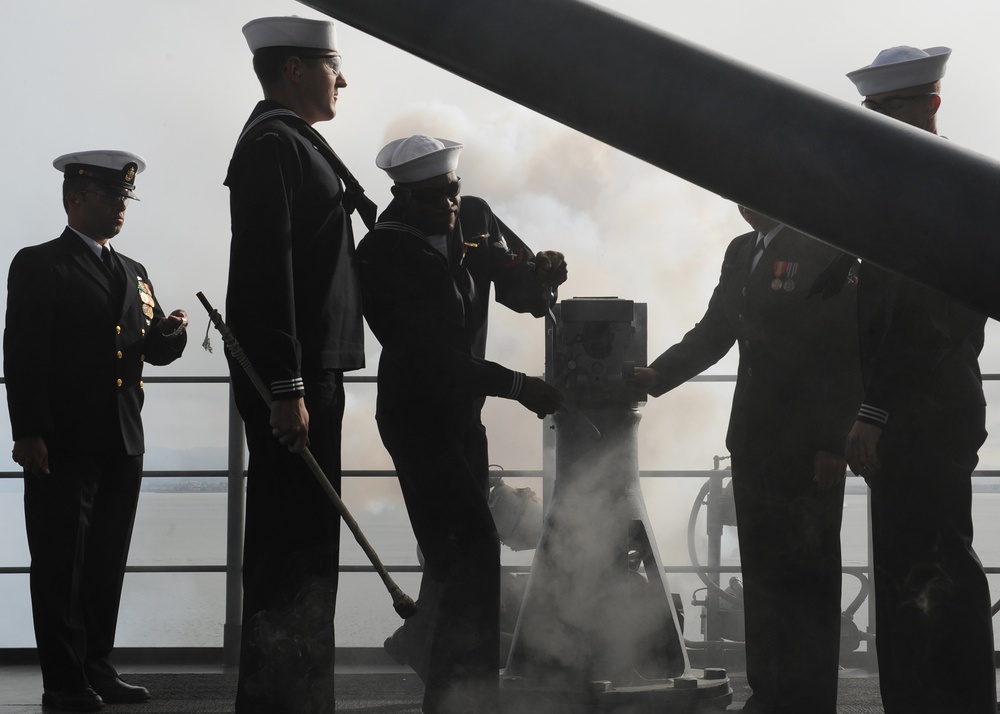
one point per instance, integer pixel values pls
(713, 497)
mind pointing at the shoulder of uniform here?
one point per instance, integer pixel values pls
(41, 250)
(741, 240)
(385, 237)
(381, 234)
(136, 266)
(808, 246)
(268, 134)
(473, 202)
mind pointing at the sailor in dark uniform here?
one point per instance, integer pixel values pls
(294, 303)
(82, 320)
(796, 392)
(422, 305)
(916, 442)
(525, 282)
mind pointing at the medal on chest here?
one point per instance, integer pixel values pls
(473, 242)
(146, 296)
(784, 271)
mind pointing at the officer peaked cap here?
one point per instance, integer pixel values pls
(116, 169)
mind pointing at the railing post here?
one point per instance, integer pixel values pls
(234, 538)
(548, 423)
(871, 580)
(715, 522)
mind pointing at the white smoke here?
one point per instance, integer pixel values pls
(628, 230)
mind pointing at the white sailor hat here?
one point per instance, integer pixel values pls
(290, 31)
(418, 157)
(116, 169)
(899, 68)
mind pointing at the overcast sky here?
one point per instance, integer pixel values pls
(172, 81)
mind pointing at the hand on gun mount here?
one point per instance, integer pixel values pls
(541, 398)
(551, 267)
(644, 377)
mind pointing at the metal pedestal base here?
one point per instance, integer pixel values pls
(710, 694)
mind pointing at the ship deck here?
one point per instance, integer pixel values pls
(370, 688)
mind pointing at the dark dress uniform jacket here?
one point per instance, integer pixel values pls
(425, 310)
(75, 345)
(497, 257)
(798, 385)
(919, 348)
(293, 299)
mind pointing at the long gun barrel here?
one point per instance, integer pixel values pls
(897, 196)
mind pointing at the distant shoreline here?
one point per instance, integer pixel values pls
(186, 485)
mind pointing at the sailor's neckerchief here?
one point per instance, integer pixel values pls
(354, 193)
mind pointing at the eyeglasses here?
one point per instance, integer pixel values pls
(334, 62)
(891, 105)
(112, 199)
(436, 193)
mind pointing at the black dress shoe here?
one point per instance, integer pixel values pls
(80, 700)
(115, 691)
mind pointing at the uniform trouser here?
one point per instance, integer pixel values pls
(290, 558)
(789, 538)
(454, 529)
(414, 633)
(79, 524)
(934, 633)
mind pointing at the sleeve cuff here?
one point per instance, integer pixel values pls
(288, 388)
(873, 415)
(517, 384)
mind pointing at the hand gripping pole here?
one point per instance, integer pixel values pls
(402, 603)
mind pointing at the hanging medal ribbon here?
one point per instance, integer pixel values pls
(474, 242)
(146, 296)
(784, 271)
